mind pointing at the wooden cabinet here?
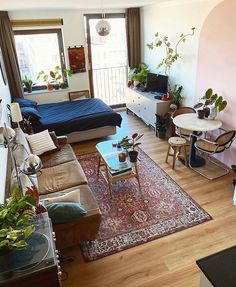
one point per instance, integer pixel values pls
(145, 106)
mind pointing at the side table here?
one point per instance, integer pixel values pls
(218, 269)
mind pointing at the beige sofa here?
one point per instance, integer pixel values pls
(62, 173)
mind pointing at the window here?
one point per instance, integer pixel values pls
(40, 50)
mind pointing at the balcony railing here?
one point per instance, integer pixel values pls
(109, 84)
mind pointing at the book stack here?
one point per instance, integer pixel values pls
(116, 168)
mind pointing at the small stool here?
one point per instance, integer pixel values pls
(176, 143)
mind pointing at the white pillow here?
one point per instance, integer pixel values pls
(73, 196)
(41, 142)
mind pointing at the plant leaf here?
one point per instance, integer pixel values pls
(199, 105)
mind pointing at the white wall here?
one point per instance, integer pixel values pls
(74, 35)
(171, 19)
(5, 96)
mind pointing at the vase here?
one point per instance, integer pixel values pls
(213, 113)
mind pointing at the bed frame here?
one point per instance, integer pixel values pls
(91, 134)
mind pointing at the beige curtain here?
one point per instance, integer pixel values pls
(7, 44)
(133, 36)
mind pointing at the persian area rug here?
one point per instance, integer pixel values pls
(131, 218)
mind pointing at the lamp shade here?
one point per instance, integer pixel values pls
(103, 27)
(16, 115)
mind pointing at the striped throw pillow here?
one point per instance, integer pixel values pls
(41, 142)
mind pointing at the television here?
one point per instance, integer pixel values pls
(157, 83)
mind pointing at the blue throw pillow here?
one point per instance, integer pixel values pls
(26, 103)
(30, 112)
(61, 212)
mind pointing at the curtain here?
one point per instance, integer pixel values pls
(133, 36)
(7, 44)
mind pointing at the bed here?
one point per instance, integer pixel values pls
(79, 120)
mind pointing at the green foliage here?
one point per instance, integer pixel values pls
(54, 76)
(172, 54)
(209, 99)
(128, 143)
(176, 95)
(27, 83)
(15, 215)
(233, 168)
(139, 74)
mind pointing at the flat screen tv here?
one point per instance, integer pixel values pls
(157, 83)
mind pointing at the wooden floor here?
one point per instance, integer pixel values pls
(168, 261)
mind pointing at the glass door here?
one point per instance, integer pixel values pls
(108, 59)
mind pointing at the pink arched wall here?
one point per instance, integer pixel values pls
(217, 65)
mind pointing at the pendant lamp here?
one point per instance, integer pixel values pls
(103, 27)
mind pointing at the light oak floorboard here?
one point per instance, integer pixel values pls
(168, 261)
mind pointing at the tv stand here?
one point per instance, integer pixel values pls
(145, 105)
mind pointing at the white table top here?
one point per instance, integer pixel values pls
(191, 122)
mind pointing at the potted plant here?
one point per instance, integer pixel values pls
(139, 75)
(162, 122)
(54, 79)
(129, 145)
(210, 100)
(27, 83)
(176, 96)
(15, 216)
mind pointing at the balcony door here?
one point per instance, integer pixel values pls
(107, 59)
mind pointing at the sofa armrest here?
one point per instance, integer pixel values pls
(62, 140)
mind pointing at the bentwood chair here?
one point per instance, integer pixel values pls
(180, 131)
(215, 146)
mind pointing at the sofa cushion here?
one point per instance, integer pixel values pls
(41, 142)
(60, 177)
(86, 198)
(72, 196)
(63, 155)
(61, 212)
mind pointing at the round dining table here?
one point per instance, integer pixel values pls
(192, 123)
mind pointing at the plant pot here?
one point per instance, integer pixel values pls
(136, 84)
(29, 90)
(56, 86)
(213, 113)
(50, 87)
(201, 114)
(133, 155)
(207, 112)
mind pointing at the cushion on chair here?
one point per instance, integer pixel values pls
(207, 146)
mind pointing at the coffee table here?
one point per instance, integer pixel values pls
(106, 152)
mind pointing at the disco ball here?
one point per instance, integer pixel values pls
(103, 27)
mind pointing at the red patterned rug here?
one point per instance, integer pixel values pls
(129, 218)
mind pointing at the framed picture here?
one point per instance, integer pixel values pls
(77, 59)
(79, 95)
(2, 68)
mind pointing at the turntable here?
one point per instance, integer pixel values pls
(39, 256)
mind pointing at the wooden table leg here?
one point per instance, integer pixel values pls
(137, 176)
(109, 182)
(99, 163)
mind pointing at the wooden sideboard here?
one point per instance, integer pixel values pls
(145, 106)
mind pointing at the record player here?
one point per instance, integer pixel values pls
(39, 256)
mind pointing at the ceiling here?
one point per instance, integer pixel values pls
(73, 4)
